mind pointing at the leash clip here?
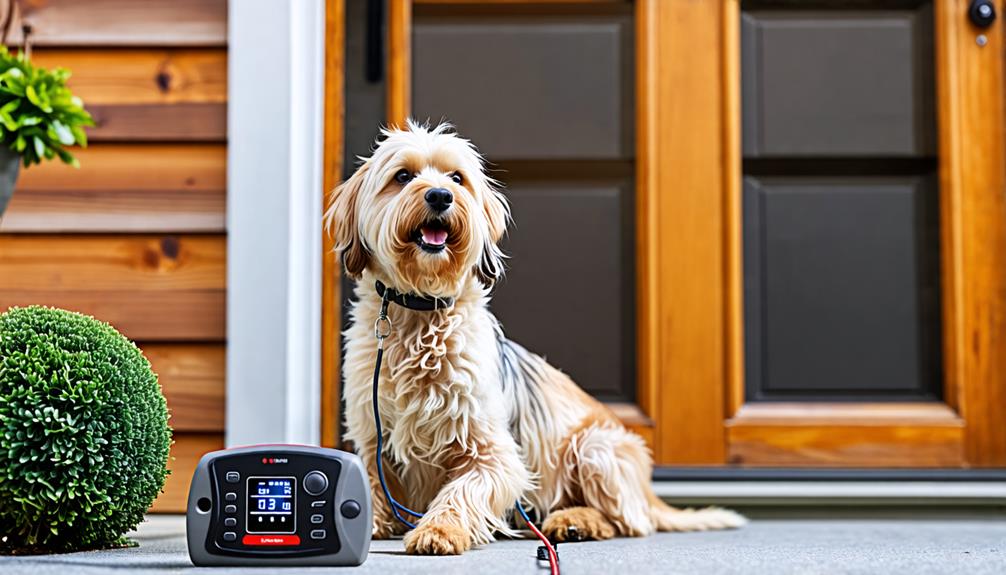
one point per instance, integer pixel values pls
(382, 325)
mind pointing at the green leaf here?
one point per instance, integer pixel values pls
(63, 133)
(79, 135)
(32, 95)
(67, 158)
(8, 122)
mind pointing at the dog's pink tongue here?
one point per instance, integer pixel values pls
(434, 237)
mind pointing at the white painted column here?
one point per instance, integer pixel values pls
(275, 120)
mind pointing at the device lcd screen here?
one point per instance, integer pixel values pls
(272, 505)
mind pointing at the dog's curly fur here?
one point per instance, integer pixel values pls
(473, 422)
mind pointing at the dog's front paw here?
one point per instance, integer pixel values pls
(437, 539)
(577, 524)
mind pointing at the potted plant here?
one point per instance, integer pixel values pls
(39, 118)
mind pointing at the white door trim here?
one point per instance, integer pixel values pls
(275, 119)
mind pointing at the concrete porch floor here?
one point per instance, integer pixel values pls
(777, 546)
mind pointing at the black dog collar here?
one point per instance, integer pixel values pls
(413, 301)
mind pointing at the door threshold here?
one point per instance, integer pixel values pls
(833, 493)
(733, 474)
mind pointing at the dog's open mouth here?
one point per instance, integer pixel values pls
(432, 236)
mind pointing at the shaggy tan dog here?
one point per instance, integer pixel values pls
(473, 422)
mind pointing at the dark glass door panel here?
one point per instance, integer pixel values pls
(841, 222)
(567, 294)
(529, 87)
(832, 83)
(841, 285)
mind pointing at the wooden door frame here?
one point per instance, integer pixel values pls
(972, 119)
(680, 228)
(692, 344)
(331, 380)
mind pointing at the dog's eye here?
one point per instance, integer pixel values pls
(403, 176)
(457, 178)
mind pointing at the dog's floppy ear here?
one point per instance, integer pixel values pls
(341, 221)
(490, 267)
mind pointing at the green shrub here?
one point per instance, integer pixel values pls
(39, 116)
(84, 433)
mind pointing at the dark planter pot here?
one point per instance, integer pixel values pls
(10, 163)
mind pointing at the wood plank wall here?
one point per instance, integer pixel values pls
(137, 236)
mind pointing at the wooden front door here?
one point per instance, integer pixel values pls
(829, 245)
(798, 210)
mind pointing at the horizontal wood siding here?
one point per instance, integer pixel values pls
(192, 377)
(68, 263)
(137, 236)
(125, 187)
(149, 95)
(142, 76)
(131, 167)
(126, 22)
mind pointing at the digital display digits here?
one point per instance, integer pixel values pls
(272, 505)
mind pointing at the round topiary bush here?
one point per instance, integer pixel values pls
(84, 433)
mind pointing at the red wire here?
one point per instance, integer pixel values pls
(553, 559)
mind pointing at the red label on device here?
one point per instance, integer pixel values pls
(271, 540)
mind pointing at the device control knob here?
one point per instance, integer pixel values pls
(315, 483)
(350, 509)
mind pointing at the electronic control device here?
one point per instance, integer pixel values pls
(279, 505)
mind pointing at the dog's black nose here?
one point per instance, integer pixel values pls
(439, 199)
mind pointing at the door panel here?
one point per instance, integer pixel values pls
(528, 87)
(582, 331)
(841, 268)
(841, 288)
(837, 83)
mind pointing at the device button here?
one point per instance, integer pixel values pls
(316, 519)
(319, 503)
(319, 534)
(230, 522)
(350, 509)
(231, 509)
(233, 477)
(315, 483)
(230, 496)
(230, 536)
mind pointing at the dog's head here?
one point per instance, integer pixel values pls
(420, 213)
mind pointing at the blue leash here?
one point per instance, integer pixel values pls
(396, 507)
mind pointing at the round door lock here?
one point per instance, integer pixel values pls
(982, 13)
